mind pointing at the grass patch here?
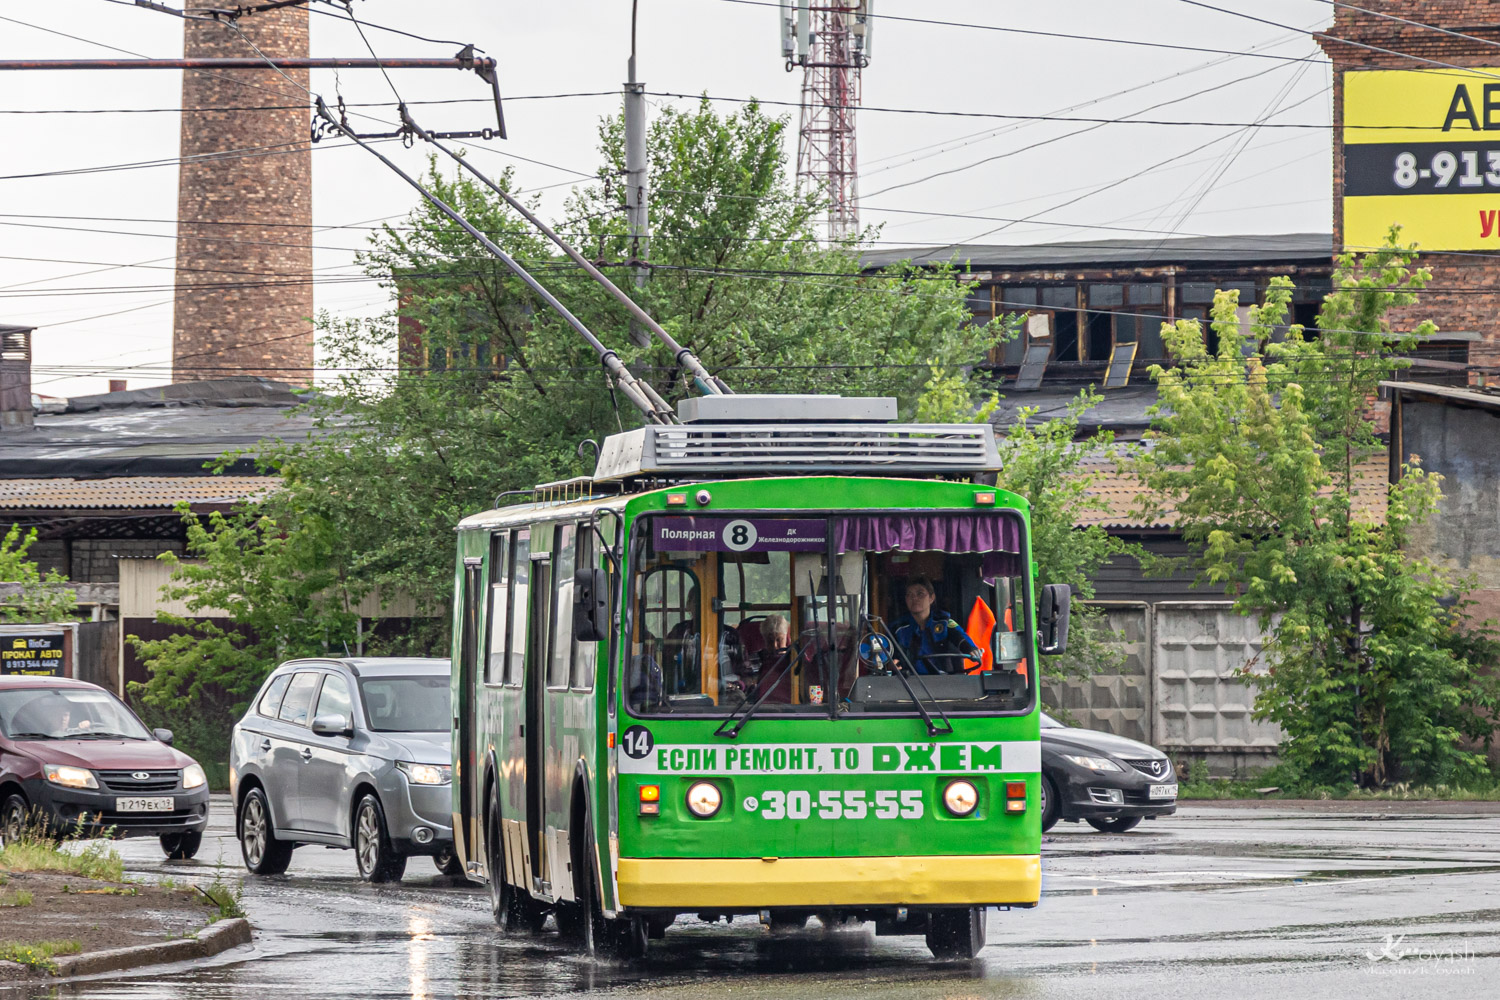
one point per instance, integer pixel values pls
(1274, 783)
(39, 955)
(224, 896)
(21, 898)
(97, 860)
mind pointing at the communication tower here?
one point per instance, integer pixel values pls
(831, 42)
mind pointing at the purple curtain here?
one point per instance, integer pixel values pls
(997, 536)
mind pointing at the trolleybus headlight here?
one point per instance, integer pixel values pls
(961, 797)
(704, 799)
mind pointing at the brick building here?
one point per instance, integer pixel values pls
(244, 297)
(1464, 296)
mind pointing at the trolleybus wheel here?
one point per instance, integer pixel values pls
(512, 908)
(956, 933)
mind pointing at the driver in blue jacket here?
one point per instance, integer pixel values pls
(925, 630)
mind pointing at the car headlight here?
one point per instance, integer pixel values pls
(425, 774)
(961, 797)
(704, 799)
(193, 776)
(70, 777)
(1093, 763)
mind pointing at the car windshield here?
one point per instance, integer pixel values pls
(67, 713)
(1048, 722)
(731, 614)
(407, 704)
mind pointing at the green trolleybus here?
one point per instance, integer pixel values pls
(778, 659)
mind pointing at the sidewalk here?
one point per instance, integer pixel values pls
(1359, 807)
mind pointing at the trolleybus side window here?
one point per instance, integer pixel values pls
(499, 617)
(584, 653)
(515, 661)
(560, 658)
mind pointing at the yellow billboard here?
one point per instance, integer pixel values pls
(1418, 151)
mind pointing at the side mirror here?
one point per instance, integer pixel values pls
(1052, 618)
(332, 725)
(165, 735)
(590, 605)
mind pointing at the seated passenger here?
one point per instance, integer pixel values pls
(925, 630)
(770, 666)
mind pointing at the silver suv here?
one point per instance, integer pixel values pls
(347, 753)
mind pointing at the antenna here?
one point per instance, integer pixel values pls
(831, 44)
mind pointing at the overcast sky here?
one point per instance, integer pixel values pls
(87, 258)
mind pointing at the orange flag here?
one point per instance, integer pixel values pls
(981, 629)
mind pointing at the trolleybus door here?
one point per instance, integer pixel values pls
(536, 688)
(463, 709)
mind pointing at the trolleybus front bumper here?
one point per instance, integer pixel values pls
(753, 883)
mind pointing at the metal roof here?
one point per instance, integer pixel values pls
(132, 492)
(1447, 393)
(1282, 248)
(165, 431)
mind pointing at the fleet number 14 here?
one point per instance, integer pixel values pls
(853, 804)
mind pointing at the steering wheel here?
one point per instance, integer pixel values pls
(876, 652)
(949, 656)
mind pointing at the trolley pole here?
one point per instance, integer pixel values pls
(636, 175)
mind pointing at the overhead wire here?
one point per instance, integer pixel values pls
(1070, 36)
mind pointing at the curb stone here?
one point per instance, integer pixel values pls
(214, 938)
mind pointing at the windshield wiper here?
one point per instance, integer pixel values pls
(94, 734)
(34, 736)
(734, 722)
(932, 727)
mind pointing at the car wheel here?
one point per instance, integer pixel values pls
(181, 846)
(13, 818)
(956, 933)
(1051, 804)
(262, 852)
(377, 859)
(1119, 824)
(448, 863)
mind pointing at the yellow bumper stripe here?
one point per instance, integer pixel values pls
(752, 883)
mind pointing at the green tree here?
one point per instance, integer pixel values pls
(495, 393)
(41, 597)
(508, 391)
(1049, 464)
(1371, 674)
(286, 588)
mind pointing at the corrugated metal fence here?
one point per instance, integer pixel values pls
(1180, 687)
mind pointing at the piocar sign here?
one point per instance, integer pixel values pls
(1422, 149)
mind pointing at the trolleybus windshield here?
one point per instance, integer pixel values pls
(798, 615)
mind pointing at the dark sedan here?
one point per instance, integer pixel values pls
(75, 760)
(1108, 781)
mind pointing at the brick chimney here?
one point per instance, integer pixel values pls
(1464, 295)
(15, 378)
(244, 208)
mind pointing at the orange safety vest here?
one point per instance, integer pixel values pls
(981, 629)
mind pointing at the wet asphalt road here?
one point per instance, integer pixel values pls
(1214, 902)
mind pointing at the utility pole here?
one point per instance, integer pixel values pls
(636, 214)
